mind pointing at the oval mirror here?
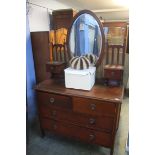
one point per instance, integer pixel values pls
(86, 36)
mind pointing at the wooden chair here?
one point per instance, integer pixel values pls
(114, 67)
(59, 60)
(116, 41)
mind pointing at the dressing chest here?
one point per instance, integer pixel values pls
(89, 116)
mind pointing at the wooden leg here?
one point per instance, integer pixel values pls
(42, 133)
(111, 151)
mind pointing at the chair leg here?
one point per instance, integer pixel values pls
(42, 133)
(111, 151)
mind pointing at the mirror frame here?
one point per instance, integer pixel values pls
(101, 29)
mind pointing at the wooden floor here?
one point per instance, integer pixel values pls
(55, 145)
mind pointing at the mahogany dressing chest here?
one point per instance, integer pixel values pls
(90, 116)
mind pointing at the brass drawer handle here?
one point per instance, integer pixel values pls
(53, 113)
(92, 120)
(51, 100)
(93, 106)
(91, 137)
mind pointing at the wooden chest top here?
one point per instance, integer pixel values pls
(98, 92)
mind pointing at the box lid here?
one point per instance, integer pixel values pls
(91, 70)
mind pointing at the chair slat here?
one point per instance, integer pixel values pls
(65, 57)
(58, 52)
(107, 57)
(118, 50)
(61, 52)
(123, 59)
(112, 58)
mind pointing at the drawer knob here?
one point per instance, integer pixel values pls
(91, 137)
(54, 113)
(92, 120)
(93, 106)
(51, 100)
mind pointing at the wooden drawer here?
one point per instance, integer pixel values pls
(53, 100)
(77, 132)
(97, 123)
(55, 68)
(93, 107)
(113, 74)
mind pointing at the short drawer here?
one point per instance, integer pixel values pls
(84, 134)
(53, 100)
(113, 74)
(93, 107)
(97, 123)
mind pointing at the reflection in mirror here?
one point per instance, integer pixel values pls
(114, 35)
(85, 36)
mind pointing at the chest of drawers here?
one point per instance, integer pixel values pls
(89, 116)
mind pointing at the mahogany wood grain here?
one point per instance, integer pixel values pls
(103, 123)
(62, 18)
(56, 68)
(93, 107)
(113, 74)
(51, 100)
(91, 116)
(41, 54)
(76, 132)
(118, 116)
(98, 92)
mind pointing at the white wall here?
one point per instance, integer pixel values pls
(39, 17)
(114, 15)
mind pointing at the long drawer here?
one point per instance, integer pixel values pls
(113, 74)
(54, 100)
(84, 134)
(94, 122)
(93, 107)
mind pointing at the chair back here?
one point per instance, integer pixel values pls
(115, 54)
(59, 52)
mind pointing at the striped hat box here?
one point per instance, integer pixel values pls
(79, 63)
(92, 58)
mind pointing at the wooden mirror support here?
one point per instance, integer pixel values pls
(101, 54)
